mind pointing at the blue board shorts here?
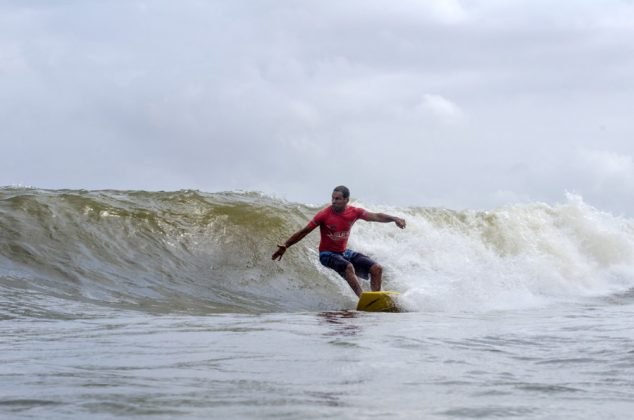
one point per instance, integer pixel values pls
(338, 261)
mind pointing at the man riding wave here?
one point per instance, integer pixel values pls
(335, 223)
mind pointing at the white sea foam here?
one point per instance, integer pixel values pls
(517, 256)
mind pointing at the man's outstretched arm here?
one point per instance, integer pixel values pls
(384, 218)
(296, 237)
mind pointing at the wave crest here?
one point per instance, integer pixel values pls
(197, 252)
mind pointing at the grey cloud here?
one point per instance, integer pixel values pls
(467, 103)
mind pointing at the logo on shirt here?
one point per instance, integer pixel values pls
(339, 236)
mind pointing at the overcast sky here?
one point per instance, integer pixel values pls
(459, 104)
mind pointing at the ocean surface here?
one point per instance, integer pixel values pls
(125, 304)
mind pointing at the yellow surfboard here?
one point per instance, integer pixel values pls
(378, 302)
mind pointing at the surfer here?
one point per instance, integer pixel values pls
(334, 223)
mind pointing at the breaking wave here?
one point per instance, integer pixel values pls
(195, 252)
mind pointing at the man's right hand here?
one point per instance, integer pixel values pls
(281, 249)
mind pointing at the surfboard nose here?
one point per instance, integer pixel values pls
(383, 301)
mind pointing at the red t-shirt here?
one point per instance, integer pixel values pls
(335, 227)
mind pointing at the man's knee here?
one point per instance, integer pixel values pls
(350, 269)
(376, 270)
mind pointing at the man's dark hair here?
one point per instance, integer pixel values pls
(343, 190)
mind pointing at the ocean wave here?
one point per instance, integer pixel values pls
(189, 251)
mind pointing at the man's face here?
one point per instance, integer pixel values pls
(338, 202)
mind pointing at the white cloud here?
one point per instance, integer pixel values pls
(608, 170)
(440, 107)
